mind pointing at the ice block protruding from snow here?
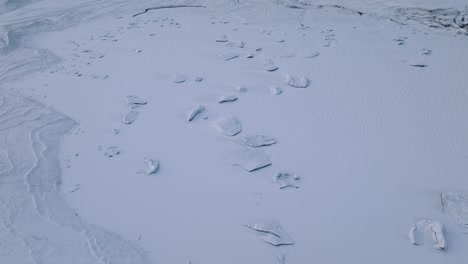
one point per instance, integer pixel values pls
(178, 79)
(251, 160)
(272, 233)
(111, 152)
(130, 116)
(198, 79)
(194, 112)
(153, 165)
(228, 55)
(135, 100)
(241, 89)
(227, 98)
(297, 82)
(418, 64)
(255, 141)
(222, 38)
(229, 126)
(434, 228)
(284, 179)
(455, 204)
(269, 65)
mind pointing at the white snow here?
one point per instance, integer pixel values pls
(379, 144)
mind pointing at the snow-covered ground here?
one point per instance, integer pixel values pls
(233, 131)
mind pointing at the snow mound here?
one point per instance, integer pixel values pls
(275, 90)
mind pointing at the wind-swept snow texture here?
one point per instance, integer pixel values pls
(375, 137)
(36, 223)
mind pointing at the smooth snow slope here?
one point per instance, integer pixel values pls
(374, 140)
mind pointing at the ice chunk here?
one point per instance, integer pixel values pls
(455, 204)
(270, 65)
(272, 233)
(241, 44)
(194, 112)
(98, 76)
(130, 117)
(227, 98)
(153, 165)
(400, 40)
(241, 89)
(178, 79)
(284, 179)
(418, 64)
(198, 79)
(222, 38)
(228, 126)
(249, 56)
(435, 228)
(426, 52)
(251, 160)
(275, 90)
(111, 152)
(228, 55)
(297, 82)
(135, 100)
(255, 141)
